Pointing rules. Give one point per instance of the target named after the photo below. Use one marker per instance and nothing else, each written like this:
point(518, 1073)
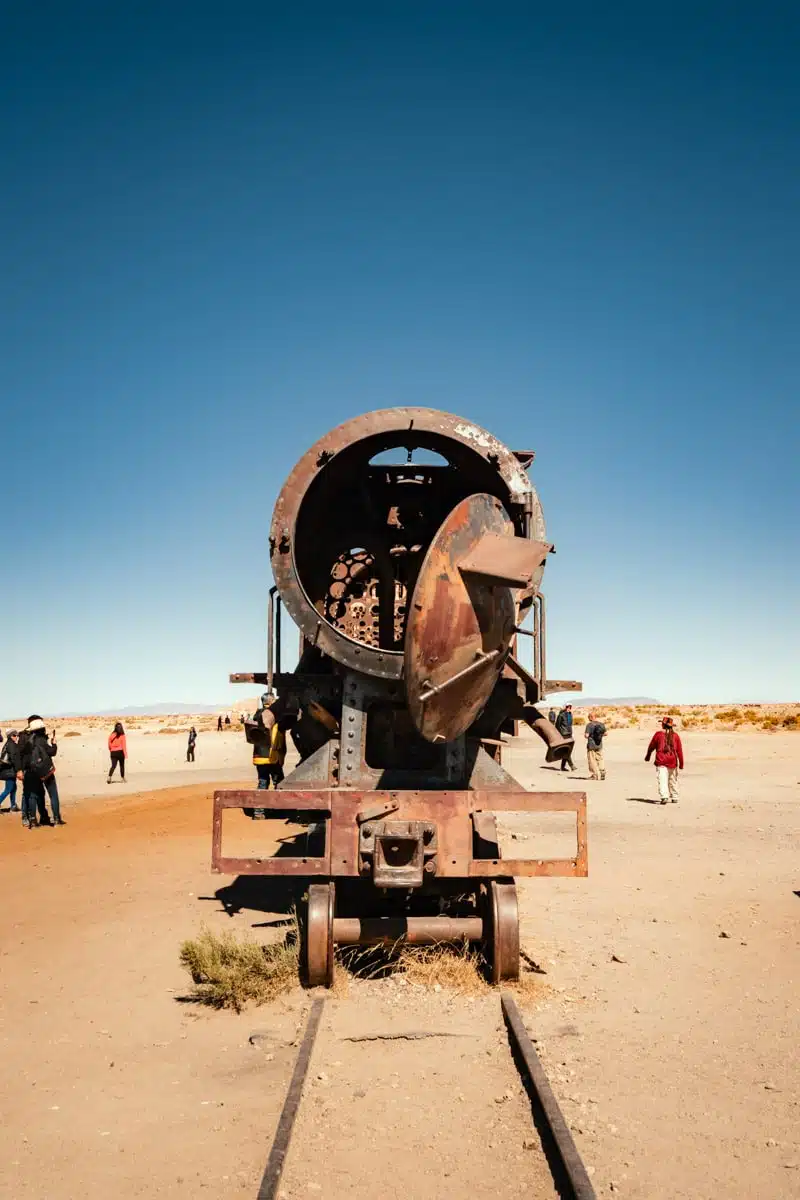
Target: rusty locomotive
point(408, 546)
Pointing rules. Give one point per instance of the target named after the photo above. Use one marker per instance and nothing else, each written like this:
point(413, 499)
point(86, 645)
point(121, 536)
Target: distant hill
point(580, 701)
point(154, 710)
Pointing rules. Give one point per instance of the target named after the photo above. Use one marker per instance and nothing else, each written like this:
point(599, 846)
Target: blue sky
point(228, 227)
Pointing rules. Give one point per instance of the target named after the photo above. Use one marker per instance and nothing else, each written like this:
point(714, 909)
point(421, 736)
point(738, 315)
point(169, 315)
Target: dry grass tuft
point(459, 969)
point(456, 968)
point(231, 972)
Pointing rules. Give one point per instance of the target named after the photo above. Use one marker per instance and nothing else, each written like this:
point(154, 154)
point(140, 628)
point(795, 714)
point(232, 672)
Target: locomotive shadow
point(276, 895)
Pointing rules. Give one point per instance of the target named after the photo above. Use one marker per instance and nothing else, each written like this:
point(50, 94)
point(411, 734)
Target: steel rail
point(578, 1183)
point(569, 1172)
point(283, 1134)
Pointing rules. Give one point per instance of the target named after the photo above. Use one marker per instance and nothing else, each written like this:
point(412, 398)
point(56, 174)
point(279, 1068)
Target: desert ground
point(668, 1014)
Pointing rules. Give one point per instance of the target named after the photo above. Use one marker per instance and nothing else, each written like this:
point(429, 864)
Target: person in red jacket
point(669, 759)
point(118, 750)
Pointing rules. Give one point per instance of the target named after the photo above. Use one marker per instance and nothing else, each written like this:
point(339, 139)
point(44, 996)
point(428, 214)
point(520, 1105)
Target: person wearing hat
point(11, 768)
point(268, 739)
point(564, 727)
point(38, 775)
point(669, 759)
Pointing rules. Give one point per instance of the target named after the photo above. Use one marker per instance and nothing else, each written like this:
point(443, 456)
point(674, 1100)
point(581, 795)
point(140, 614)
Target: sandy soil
point(677, 1067)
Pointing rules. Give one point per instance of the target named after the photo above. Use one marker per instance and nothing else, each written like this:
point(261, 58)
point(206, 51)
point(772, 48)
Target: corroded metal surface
point(348, 535)
point(572, 1181)
point(504, 916)
point(452, 814)
point(414, 931)
point(460, 625)
point(319, 934)
point(408, 546)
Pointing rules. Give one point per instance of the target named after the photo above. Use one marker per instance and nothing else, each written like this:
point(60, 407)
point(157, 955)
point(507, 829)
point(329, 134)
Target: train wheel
point(503, 943)
point(319, 934)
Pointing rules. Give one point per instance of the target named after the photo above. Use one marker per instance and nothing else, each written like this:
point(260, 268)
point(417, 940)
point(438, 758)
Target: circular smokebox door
point(461, 619)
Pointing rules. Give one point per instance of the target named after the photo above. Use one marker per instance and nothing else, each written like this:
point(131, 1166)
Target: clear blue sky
point(228, 227)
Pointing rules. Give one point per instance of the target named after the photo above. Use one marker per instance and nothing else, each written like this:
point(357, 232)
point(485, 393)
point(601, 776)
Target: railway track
point(550, 1166)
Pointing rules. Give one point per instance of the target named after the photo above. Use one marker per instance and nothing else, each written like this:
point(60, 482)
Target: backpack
point(6, 766)
point(40, 760)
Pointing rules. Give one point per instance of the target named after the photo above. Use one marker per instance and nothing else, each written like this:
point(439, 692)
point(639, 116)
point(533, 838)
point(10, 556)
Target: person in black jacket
point(564, 727)
point(38, 774)
point(10, 768)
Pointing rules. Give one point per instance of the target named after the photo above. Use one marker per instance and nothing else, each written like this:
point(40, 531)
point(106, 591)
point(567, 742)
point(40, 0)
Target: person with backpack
point(267, 736)
point(191, 744)
point(564, 726)
point(595, 732)
point(669, 759)
point(38, 776)
point(10, 768)
point(118, 749)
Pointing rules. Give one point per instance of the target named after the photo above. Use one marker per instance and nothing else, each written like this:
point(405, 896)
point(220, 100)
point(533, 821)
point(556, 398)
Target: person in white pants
point(666, 744)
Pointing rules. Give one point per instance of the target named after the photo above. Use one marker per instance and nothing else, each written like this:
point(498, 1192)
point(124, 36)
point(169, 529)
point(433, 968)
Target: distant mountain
point(580, 701)
point(155, 710)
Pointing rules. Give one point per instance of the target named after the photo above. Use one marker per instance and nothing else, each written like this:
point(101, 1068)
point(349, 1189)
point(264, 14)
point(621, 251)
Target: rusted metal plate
point(451, 813)
point(278, 804)
point(529, 868)
point(317, 801)
point(271, 866)
point(506, 561)
point(459, 628)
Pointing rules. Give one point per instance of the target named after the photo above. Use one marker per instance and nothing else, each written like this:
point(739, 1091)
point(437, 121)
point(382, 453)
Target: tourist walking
point(564, 727)
point(191, 744)
point(669, 759)
point(595, 732)
point(118, 749)
point(219, 724)
point(10, 769)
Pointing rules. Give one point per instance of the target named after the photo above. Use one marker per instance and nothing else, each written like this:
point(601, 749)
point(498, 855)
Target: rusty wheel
point(503, 946)
point(319, 934)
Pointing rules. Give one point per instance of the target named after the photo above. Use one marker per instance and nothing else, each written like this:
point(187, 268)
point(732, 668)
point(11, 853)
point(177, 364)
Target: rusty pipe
point(270, 637)
point(558, 747)
point(481, 658)
point(536, 675)
point(413, 931)
point(542, 649)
